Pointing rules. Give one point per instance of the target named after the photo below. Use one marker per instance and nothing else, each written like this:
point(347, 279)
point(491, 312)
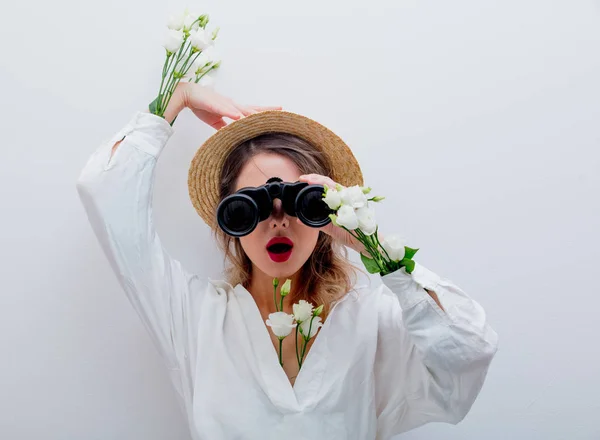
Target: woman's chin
point(280, 270)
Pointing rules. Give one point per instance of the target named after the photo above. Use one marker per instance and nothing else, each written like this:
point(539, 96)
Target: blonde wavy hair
point(327, 274)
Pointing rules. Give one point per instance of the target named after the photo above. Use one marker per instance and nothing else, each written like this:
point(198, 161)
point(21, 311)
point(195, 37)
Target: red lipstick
point(280, 249)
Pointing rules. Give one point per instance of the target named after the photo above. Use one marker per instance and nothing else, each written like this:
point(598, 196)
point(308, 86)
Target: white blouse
point(386, 360)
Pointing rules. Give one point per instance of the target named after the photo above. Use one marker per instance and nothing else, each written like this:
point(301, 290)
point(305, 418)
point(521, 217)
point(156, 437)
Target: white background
point(479, 120)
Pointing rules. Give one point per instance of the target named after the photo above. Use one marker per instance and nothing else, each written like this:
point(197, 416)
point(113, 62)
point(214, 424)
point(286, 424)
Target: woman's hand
point(211, 107)
point(339, 234)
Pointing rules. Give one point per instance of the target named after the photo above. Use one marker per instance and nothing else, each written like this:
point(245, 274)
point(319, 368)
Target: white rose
point(175, 21)
point(354, 197)
point(347, 217)
point(316, 324)
point(333, 199)
point(394, 246)
point(302, 310)
point(200, 39)
point(172, 40)
point(366, 220)
point(281, 324)
point(189, 18)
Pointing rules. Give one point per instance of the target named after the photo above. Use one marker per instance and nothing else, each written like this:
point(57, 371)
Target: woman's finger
point(246, 110)
point(209, 118)
point(224, 108)
point(233, 112)
point(251, 109)
point(265, 108)
point(318, 179)
point(218, 124)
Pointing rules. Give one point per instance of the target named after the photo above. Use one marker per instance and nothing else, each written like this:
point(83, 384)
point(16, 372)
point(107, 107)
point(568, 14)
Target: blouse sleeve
point(116, 193)
point(430, 364)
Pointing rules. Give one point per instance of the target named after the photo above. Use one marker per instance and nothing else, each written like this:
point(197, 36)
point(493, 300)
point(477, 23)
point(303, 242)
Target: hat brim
point(205, 169)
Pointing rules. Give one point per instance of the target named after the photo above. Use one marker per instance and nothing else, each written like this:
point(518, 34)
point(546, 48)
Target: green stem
point(369, 245)
point(170, 86)
point(167, 59)
point(161, 105)
point(204, 73)
point(366, 244)
point(280, 350)
point(297, 354)
point(168, 95)
point(389, 261)
point(302, 351)
point(353, 235)
point(366, 241)
point(282, 303)
point(307, 338)
point(185, 64)
point(162, 80)
point(275, 297)
point(173, 84)
point(376, 252)
point(369, 242)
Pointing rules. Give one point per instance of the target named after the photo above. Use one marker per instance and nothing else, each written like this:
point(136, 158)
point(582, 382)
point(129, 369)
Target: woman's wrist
point(175, 105)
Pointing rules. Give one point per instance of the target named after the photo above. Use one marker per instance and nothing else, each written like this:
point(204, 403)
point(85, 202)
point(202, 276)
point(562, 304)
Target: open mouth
point(280, 249)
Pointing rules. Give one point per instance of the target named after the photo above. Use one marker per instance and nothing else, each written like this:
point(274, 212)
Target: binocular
point(239, 213)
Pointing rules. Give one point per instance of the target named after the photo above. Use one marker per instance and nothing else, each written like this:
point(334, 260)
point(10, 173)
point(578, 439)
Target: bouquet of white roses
point(190, 56)
point(306, 317)
point(355, 215)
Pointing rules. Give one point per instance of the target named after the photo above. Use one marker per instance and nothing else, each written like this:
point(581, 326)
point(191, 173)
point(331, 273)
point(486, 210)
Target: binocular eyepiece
point(239, 213)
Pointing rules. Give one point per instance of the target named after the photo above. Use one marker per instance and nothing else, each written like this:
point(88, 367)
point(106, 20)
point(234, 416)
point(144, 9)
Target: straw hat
point(205, 169)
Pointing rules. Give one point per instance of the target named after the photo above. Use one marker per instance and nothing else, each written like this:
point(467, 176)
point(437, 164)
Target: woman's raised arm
point(116, 189)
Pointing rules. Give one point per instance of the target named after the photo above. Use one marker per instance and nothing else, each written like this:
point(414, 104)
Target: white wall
point(477, 119)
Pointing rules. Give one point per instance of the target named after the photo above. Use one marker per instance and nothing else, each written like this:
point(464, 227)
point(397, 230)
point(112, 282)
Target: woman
point(414, 350)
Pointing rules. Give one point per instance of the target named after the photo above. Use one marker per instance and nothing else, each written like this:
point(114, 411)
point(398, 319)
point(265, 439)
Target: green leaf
point(154, 105)
point(409, 252)
point(370, 264)
point(409, 264)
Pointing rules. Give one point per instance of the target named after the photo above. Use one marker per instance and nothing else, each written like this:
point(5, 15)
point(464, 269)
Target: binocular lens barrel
point(310, 207)
point(239, 216)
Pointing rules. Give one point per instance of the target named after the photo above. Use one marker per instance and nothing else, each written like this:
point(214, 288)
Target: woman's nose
point(278, 216)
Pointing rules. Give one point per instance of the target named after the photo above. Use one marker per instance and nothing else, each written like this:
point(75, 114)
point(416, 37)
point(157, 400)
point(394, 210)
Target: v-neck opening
point(272, 372)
